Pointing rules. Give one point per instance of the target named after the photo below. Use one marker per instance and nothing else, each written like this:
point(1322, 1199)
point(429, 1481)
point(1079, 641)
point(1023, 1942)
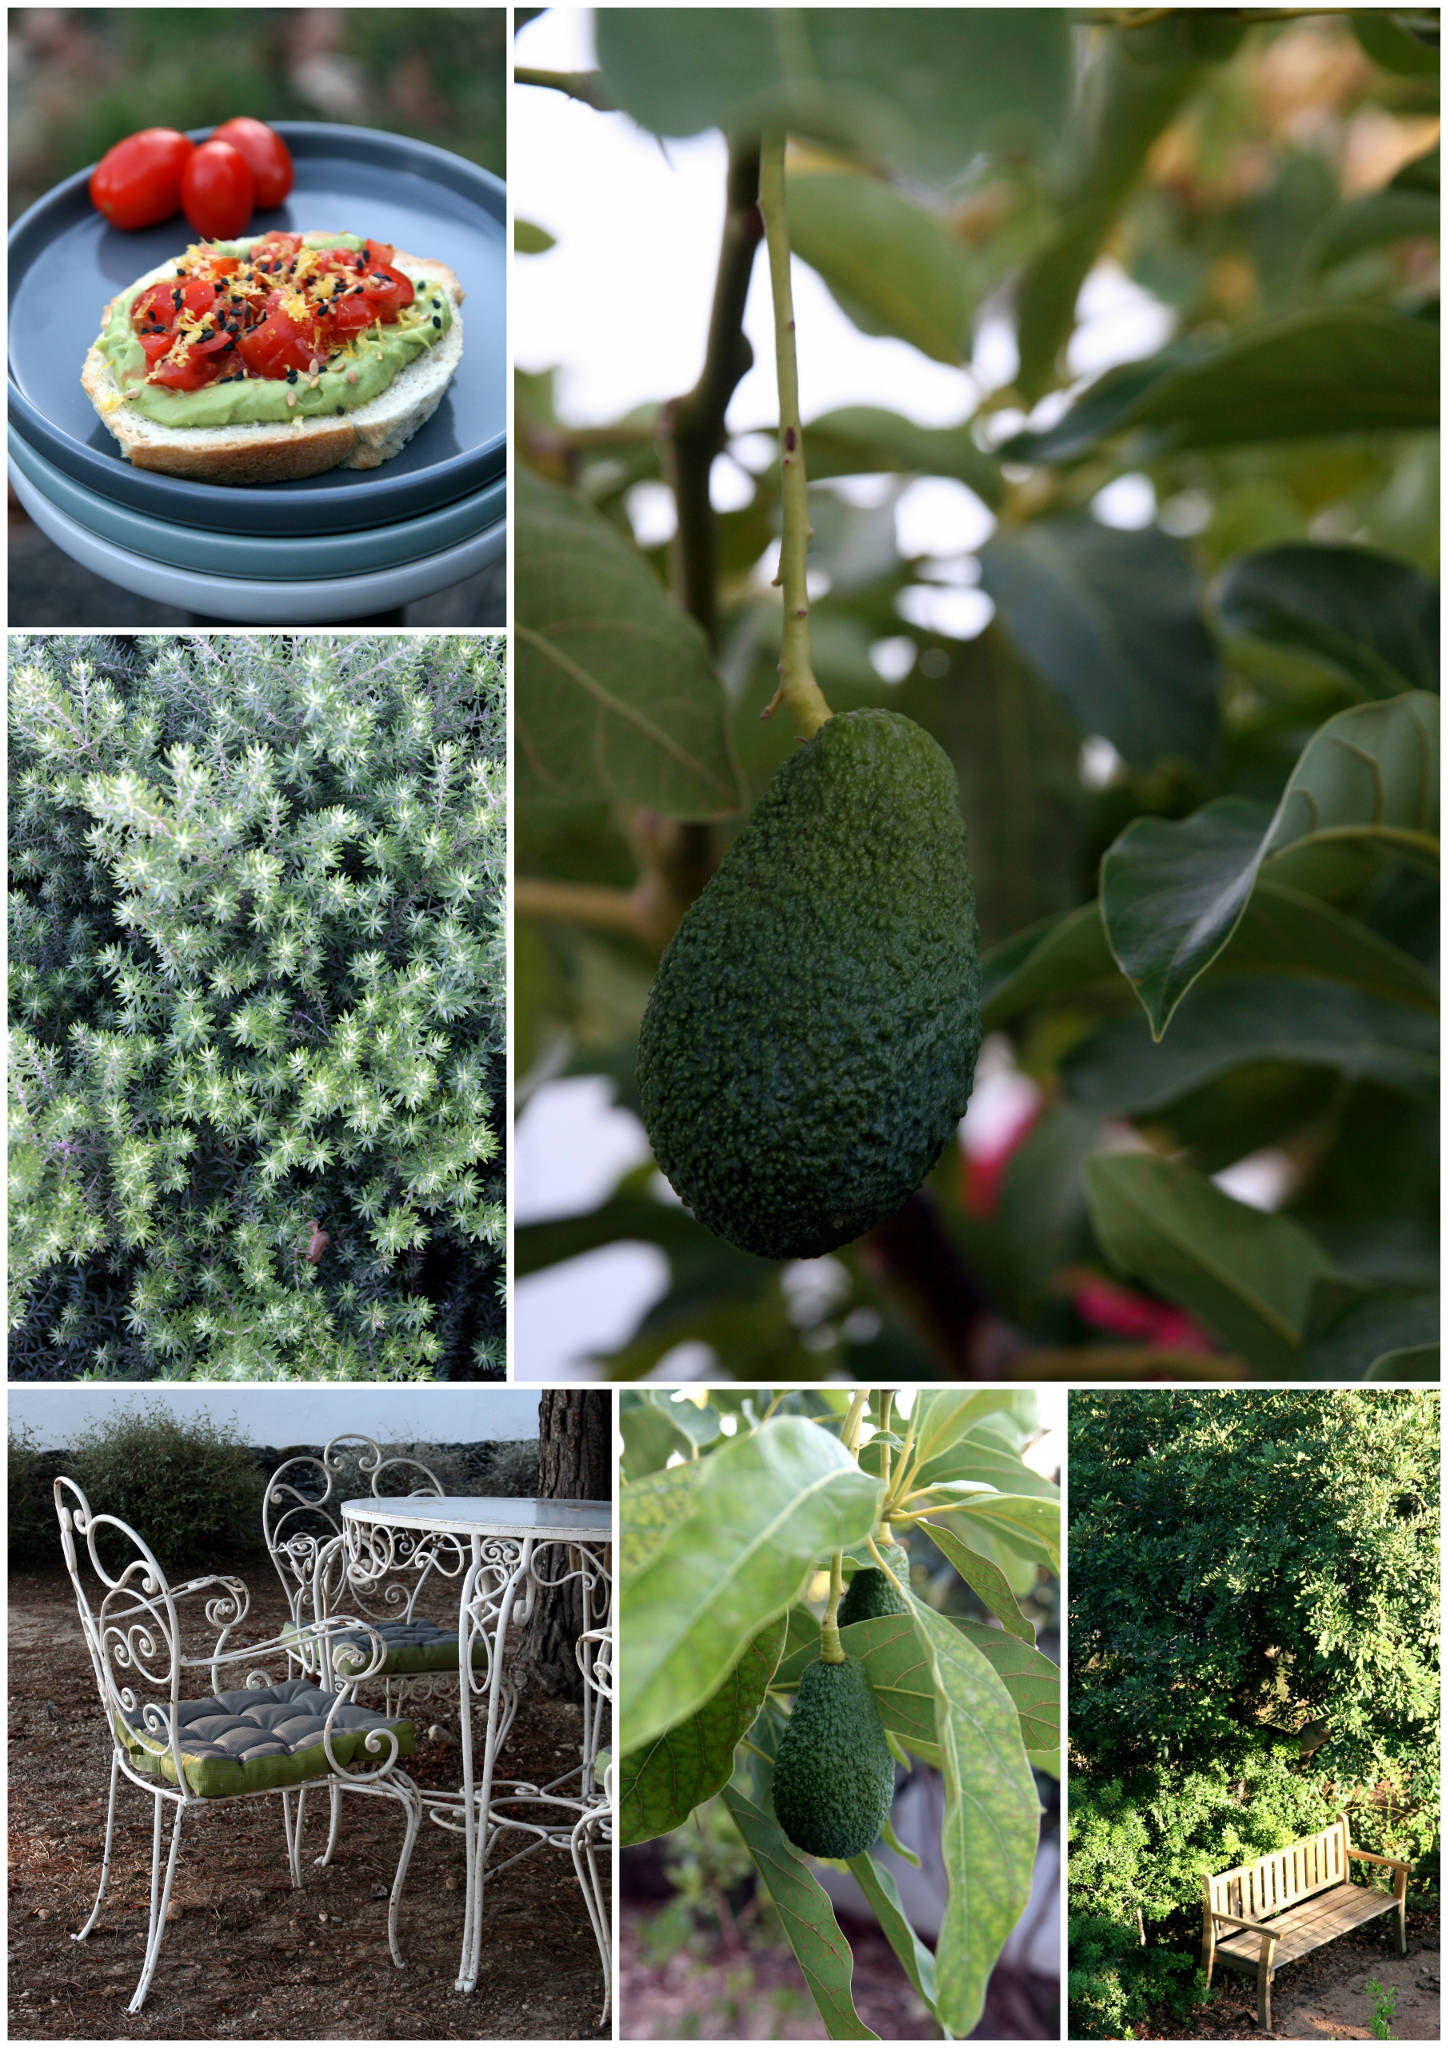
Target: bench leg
point(1209, 1957)
point(1402, 1927)
point(1264, 1998)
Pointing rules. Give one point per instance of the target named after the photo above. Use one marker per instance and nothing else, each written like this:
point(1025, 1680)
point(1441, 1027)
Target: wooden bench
point(1285, 1905)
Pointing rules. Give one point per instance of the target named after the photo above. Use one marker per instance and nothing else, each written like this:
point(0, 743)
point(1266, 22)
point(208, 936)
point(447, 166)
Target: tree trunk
point(575, 1462)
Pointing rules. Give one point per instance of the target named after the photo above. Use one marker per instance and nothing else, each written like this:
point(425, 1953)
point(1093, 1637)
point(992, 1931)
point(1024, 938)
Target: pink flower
point(1105, 1306)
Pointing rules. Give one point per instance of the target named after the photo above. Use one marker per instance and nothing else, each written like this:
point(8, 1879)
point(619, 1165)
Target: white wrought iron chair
point(249, 1742)
point(593, 1830)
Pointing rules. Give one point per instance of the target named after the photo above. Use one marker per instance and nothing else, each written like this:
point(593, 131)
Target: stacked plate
point(322, 548)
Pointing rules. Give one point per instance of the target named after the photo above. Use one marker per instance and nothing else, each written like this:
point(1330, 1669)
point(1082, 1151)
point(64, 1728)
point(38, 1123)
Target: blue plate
point(66, 264)
point(289, 559)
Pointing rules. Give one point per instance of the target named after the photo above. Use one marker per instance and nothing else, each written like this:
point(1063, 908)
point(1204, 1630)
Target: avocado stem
point(798, 690)
point(830, 1648)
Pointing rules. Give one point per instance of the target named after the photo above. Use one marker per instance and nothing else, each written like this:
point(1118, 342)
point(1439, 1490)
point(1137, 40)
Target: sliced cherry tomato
point(279, 343)
point(379, 255)
point(138, 181)
point(389, 291)
point(217, 190)
point(265, 152)
point(188, 376)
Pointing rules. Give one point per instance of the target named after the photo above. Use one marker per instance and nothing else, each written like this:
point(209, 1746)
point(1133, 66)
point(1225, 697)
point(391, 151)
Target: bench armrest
point(1388, 1862)
point(1252, 1926)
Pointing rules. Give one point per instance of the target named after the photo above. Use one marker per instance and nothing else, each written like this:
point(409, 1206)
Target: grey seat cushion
point(260, 1741)
point(412, 1647)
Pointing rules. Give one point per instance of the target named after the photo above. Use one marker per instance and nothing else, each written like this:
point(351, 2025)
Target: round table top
point(566, 1521)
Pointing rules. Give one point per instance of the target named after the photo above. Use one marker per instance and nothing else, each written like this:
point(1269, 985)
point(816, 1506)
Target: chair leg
point(1402, 1927)
point(105, 1853)
point(334, 1822)
point(585, 1864)
point(412, 1806)
point(159, 1905)
point(292, 1830)
point(1264, 1998)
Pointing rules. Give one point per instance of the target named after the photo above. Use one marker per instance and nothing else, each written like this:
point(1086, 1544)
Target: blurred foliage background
point(81, 78)
point(1272, 184)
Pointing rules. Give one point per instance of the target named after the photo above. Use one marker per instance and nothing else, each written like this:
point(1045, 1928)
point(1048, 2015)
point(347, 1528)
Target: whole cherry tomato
point(217, 189)
point(264, 150)
point(138, 181)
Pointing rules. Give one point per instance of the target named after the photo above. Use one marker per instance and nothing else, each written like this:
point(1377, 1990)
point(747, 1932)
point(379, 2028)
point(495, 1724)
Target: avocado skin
point(834, 1777)
point(870, 1593)
point(810, 1039)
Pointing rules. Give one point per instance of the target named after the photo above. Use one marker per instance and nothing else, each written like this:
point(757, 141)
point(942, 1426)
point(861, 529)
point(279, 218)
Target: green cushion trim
point(261, 1741)
point(413, 1647)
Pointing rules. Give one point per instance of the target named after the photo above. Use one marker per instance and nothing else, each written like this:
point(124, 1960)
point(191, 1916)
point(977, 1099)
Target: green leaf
point(1331, 370)
point(944, 1415)
point(985, 1579)
point(650, 1434)
point(865, 440)
point(648, 1509)
point(806, 1915)
point(982, 1454)
point(1030, 1525)
point(531, 240)
point(1172, 894)
point(1417, 1362)
point(660, 1785)
point(1247, 1275)
point(899, 1676)
point(911, 1953)
point(766, 1506)
point(615, 695)
point(891, 264)
point(1353, 1324)
point(1362, 618)
point(1033, 1682)
point(1385, 35)
point(1112, 621)
point(1397, 213)
point(1120, 1070)
point(924, 89)
point(988, 1838)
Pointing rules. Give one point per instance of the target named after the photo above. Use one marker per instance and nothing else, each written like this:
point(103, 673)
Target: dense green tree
point(257, 963)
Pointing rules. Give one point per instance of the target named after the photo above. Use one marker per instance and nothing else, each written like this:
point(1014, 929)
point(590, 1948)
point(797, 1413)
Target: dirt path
point(249, 1958)
point(1324, 1997)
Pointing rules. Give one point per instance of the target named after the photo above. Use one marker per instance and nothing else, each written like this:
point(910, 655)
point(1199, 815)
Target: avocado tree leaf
point(943, 1415)
point(660, 1785)
point(1386, 34)
point(982, 1454)
point(1029, 1525)
point(649, 1508)
point(650, 1434)
point(806, 1915)
point(616, 698)
point(1363, 618)
point(866, 440)
point(992, 1817)
point(1247, 1275)
point(911, 1953)
point(1233, 1021)
point(891, 264)
point(984, 1577)
point(1329, 370)
point(1394, 214)
point(899, 1676)
point(923, 89)
point(1354, 1322)
point(1173, 893)
point(766, 1506)
point(1112, 621)
point(1032, 1681)
point(1414, 1362)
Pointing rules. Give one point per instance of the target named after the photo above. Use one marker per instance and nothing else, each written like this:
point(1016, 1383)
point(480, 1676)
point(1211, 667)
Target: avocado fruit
point(834, 1777)
point(810, 1038)
point(871, 1592)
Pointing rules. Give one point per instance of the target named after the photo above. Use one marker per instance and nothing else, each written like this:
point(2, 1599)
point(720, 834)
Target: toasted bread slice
point(266, 452)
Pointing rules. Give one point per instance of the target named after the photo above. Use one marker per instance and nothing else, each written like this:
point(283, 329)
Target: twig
point(798, 690)
point(695, 423)
point(587, 903)
point(587, 86)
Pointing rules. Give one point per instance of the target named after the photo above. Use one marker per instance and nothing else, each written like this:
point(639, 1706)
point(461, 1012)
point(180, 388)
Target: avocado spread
point(359, 372)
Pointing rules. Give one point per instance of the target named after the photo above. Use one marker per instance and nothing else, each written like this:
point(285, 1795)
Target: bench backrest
point(1255, 1891)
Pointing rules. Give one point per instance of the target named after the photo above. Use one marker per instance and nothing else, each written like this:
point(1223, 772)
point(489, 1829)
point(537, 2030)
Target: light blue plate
point(287, 558)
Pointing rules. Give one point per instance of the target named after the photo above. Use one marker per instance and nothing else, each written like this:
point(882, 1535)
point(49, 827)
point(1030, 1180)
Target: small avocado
point(871, 1592)
point(810, 1039)
point(834, 1777)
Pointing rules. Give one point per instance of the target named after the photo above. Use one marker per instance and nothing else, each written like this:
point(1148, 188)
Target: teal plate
point(287, 558)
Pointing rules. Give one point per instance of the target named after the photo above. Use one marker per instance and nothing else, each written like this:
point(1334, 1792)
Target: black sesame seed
point(436, 321)
point(341, 408)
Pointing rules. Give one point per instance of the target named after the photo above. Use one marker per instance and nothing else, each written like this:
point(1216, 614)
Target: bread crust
point(267, 452)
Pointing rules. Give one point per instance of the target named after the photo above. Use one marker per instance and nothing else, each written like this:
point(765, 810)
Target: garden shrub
point(34, 1537)
point(192, 1490)
point(257, 958)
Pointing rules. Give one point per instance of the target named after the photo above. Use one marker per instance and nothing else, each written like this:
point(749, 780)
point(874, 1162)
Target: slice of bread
point(274, 452)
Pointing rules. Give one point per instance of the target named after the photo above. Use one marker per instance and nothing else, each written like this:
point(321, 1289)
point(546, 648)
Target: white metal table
point(505, 1553)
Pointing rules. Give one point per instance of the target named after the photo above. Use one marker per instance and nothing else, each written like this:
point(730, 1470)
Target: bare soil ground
point(247, 1957)
point(1324, 1997)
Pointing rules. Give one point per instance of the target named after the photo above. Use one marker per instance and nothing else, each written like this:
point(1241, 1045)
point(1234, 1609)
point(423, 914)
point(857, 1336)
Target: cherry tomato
point(217, 189)
point(188, 376)
point(267, 154)
point(280, 343)
point(138, 181)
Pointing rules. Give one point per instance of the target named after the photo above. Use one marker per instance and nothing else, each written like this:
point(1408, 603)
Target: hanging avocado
point(872, 1591)
point(834, 1777)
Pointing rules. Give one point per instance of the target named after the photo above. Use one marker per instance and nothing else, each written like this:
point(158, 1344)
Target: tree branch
point(587, 86)
point(694, 424)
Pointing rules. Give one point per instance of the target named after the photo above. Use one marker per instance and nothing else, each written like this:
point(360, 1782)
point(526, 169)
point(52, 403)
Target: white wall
point(292, 1415)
